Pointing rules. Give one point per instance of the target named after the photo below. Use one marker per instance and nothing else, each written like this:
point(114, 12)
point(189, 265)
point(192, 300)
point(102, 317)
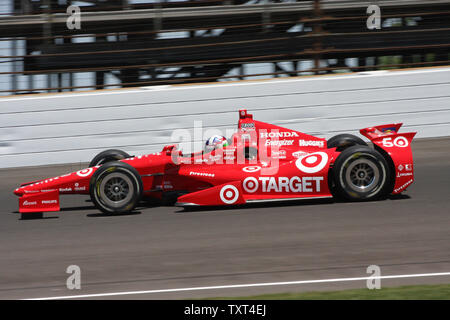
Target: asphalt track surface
point(167, 247)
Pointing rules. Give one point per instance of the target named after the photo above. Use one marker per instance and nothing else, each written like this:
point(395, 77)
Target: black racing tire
point(361, 173)
point(108, 156)
point(343, 141)
point(116, 187)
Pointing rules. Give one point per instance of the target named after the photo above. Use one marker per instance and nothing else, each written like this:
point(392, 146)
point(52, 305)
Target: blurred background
point(129, 43)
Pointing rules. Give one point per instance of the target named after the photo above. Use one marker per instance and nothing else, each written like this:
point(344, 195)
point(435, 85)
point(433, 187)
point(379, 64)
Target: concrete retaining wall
point(73, 127)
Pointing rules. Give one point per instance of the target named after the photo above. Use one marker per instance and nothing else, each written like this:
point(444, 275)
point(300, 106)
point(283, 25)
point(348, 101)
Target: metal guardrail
point(212, 11)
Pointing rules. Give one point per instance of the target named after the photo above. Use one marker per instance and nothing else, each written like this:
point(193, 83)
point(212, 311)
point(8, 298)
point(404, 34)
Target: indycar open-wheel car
point(260, 162)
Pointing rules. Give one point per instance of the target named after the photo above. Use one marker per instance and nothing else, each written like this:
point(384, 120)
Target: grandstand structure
point(158, 42)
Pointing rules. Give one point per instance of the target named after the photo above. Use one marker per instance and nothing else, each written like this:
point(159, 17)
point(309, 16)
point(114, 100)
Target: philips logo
point(48, 201)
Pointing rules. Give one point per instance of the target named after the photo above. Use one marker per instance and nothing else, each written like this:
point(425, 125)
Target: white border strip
point(266, 284)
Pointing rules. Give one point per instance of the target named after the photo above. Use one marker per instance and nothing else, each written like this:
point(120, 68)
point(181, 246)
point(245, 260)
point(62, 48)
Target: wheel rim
point(116, 189)
point(362, 175)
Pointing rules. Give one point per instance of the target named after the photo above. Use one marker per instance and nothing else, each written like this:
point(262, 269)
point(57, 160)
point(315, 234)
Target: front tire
point(109, 155)
point(361, 173)
point(116, 187)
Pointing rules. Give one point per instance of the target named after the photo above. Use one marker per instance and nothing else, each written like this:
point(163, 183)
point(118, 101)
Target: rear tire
point(344, 141)
point(361, 173)
point(116, 187)
point(108, 156)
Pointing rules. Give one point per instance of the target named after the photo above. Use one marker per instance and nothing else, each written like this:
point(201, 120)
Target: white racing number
point(229, 194)
point(399, 141)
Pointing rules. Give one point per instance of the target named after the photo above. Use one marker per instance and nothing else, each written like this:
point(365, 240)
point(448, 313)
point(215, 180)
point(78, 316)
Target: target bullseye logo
point(85, 172)
point(401, 142)
point(229, 194)
point(251, 169)
point(250, 184)
point(312, 163)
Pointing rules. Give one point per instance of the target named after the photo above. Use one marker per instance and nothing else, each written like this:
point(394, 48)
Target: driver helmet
point(215, 142)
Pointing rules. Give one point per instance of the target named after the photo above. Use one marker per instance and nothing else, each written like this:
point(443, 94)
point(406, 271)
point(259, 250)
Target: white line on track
point(264, 284)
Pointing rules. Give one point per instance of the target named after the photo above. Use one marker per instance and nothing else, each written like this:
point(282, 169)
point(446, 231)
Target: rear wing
point(396, 147)
point(387, 137)
point(383, 130)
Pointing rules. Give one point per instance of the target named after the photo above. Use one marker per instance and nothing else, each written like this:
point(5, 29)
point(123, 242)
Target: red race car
point(260, 162)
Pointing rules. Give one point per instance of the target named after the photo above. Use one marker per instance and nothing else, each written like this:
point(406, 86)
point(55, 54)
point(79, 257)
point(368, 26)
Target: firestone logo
point(404, 186)
point(201, 174)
